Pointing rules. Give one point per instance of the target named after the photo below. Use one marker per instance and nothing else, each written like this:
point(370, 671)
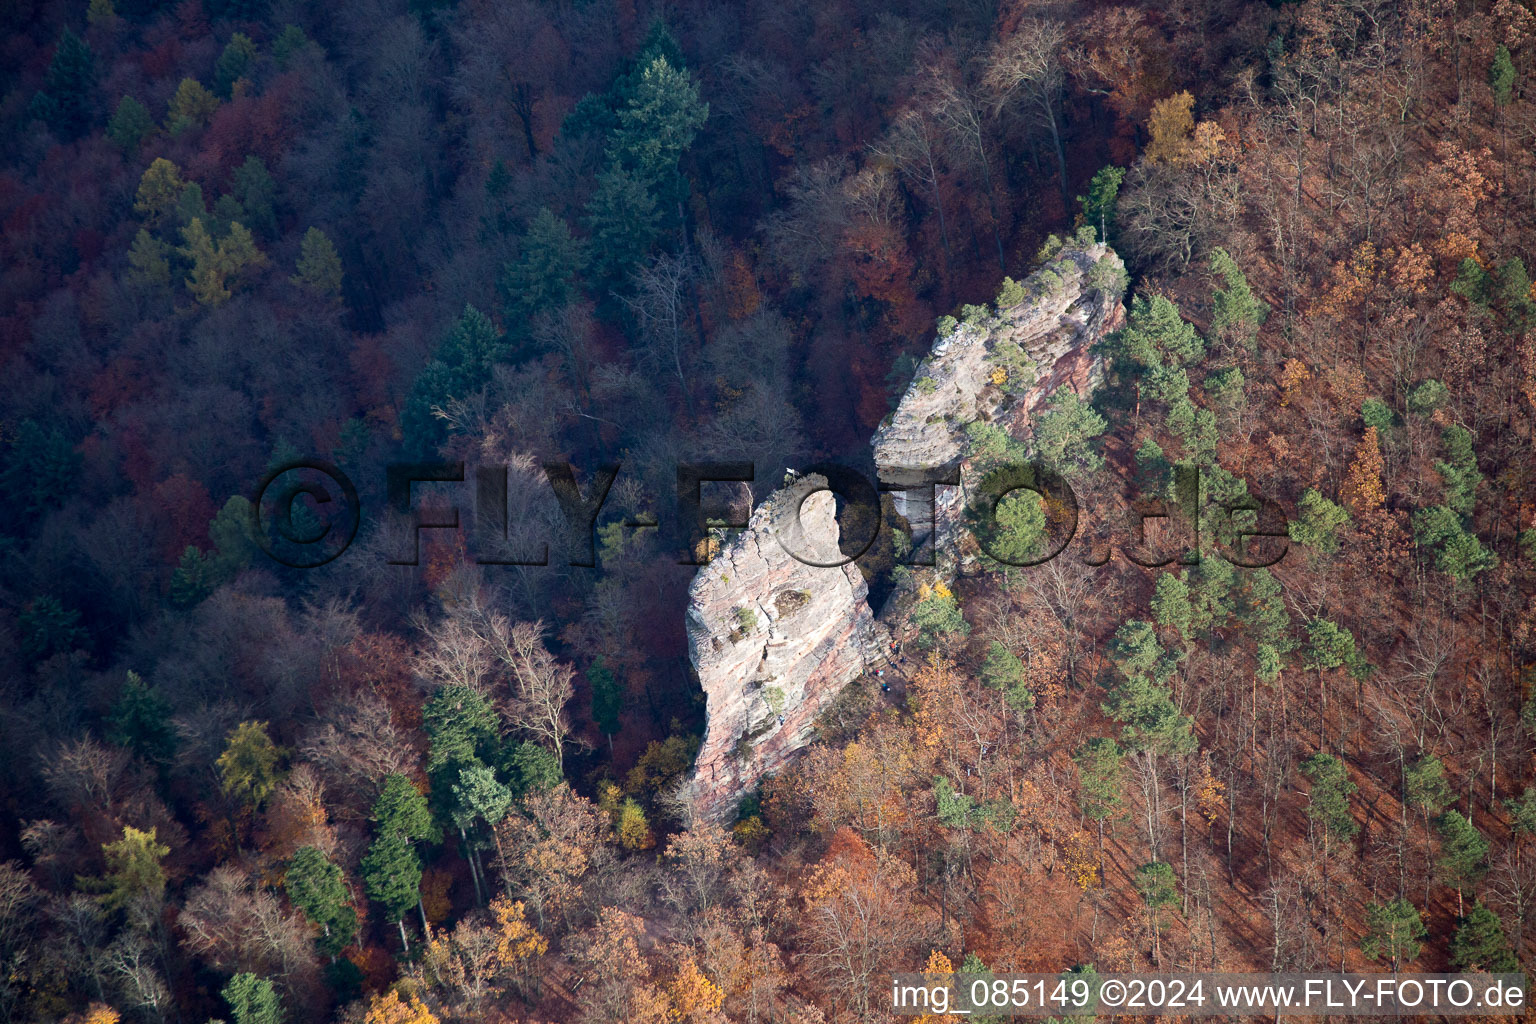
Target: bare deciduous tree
point(1027, 67)
point(358, 745)
point(541, 685)
point(912, 145)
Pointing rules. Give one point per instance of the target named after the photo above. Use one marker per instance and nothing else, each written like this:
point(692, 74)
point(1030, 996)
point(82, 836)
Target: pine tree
point(1018, 529)
point(318, 888)
point(1458, 553)
point(239, 53)
point(214, 265)
point(544, 275)
point(400, 816)
point(1003, 671)
point(1428, 791)
point(290, 42)
point(1328, 803)
point(937, 616)
point(1522, 813)
point(478, 792)
point(1099, 783)
point(1501, 76)
point(207, 280)
point(191, 205)
point(252, 1000)
point(68, 95)
point(656, 125)
point(41, 470)
point(607, 699)
point(129, 124)
point(1159, 890)
point(319, 268)
point(191, 107)
point(1171, 606)
point(1140, 700)
point(478, 798)
point(48, 628)
point(1329, 645)
point(135, 880)
point(1392, 930)
point(401, 810)
point(1480, 943)
point(473, 346)
point(248, 767)
point(461, 724)
point(1427, 396)
point(141, 721)
point(1463, 853)
point(1317, 522)
point(392, 874)
point(159, 190)
point(253, 186)
point(1100, 202)
point(148, 266)
point(193, 579)
point(1155, 334)
point(230, 532)
point(623, 222)
point(1459, 470)
point(1065, 434)
point(1236, 313)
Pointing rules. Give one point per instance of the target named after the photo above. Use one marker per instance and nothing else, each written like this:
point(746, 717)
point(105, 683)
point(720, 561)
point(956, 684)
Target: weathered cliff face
point(773, 640)
point(979, 372)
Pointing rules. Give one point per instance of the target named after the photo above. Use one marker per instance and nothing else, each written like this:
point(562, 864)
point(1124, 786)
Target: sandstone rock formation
point(1067, 306)
point(773, 640)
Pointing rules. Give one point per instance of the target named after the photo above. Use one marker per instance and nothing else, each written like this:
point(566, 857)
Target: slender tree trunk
point(474, 874)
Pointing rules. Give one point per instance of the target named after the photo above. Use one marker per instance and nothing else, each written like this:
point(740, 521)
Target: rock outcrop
point(773, 639)
point(974, 373)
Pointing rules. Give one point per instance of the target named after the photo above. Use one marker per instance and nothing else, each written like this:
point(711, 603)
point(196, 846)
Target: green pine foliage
point(319, 268)
point(67, 101)
point(546, 274)
point(1099, 773)
point(1501, 76)
point(1328, 803)
point(1317, 522)
point(1103, 196)
point(318, 887)
point(1481, 945)
point(1236, 313)
point(141, 721)
point(1066, 434)
point(129, 125)
point(1463, 857)
point(1394, 931)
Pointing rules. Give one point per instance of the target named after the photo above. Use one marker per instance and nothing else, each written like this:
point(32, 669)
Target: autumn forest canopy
point(521, 234)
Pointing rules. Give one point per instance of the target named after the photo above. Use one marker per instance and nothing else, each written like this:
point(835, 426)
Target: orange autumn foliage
point(1363, 491)
point(391, 1009)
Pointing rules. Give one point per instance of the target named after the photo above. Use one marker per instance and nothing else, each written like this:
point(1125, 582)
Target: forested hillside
point(241, 234)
